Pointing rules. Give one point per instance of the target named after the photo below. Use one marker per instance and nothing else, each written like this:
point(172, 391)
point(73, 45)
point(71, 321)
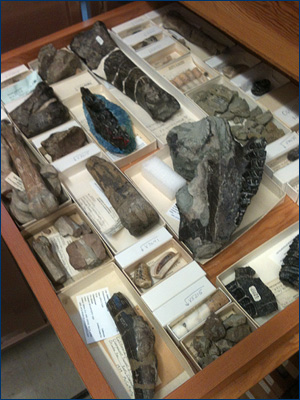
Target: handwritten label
point(99, 40)
point(174, 212)
point(152, 243)
point(289, 113)
point(193, 296)
point(21, 88)
point(254, 293)
point(284, 294)
point(96, 320)
point(15, 181)
point(82, 156)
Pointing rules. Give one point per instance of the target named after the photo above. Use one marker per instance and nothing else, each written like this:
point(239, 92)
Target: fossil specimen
point(55, 65)
point(108, 122)
point(232, 70)
point(62, 143)
point(87, 252)
point(6, 168)
point(261, 87)
point(251, 293)
point(174, 20)
point(289, 273)
point(50, 260)
point(66, 226)
point(142, 277)
point(293, 154)
point(162, 266)
point(41, 202)
point(99, 51)
point(42, 111)
point(135, 213)
point(223, 175)
point(139, 341)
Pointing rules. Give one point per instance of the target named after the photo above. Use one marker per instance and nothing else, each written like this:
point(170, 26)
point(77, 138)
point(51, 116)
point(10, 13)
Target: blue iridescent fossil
point(109, 123)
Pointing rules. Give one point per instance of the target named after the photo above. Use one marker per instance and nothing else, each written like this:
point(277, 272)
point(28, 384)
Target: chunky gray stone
point(205, 361)
point(213, 328)
point(238, 333)
point(201, 344)
point(223, 345)
point(234, 320)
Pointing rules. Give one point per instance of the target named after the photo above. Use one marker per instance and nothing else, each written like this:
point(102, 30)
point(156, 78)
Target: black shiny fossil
point(289, 273)
point(139, 342)
point(98, 50)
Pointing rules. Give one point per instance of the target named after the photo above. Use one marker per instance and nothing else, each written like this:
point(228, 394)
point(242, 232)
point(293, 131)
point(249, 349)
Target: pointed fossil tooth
point(162, 266)
point(142, 277)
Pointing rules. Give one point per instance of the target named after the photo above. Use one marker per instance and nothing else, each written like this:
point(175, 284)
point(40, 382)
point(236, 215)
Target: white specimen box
point(292, 189)
point(196, 21)
point(92, 200)
point(133, 26)
point(150, 250)
point(282, 146)
point(286, 174)
point(187, 343)
point(260, 71)
point(135, 40)
point(188, 312)
point(283, 102)
point(266, 261)
point(188, 63)
point(46, 227)
point(234, 57)
point(36, 142)
point(145, 141)
point(109, 354)
point(268, 196)
point(275, 165)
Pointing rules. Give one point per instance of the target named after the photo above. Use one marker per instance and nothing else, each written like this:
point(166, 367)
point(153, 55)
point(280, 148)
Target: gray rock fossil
point(96, 47)
point(135, 213)
point(223, 176)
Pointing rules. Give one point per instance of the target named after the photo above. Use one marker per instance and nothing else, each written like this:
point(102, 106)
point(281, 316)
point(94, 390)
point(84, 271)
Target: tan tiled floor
point(39, 368)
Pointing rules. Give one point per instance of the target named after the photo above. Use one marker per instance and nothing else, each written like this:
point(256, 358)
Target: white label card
point(289, 113)
point(95, 317)
point(254, 293)
point(15, 181)
point(21, 88)
point(284, 294)
point(174, 212)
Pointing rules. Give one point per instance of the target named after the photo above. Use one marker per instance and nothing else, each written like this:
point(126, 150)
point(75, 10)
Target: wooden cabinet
point(247, 362)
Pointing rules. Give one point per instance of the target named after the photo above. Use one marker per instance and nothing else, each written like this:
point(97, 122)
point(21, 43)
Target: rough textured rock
point(95, 46)
point(19, 207)
point(201, 343)
point(237, 333)
point(293, 155)
point(59, 144)
point(109, 123)
point(138, 340)
point(142, 277)
point(41, 112)
point(252, 294)
point(87, 252)
point(234, 320)
point(174, 20)
point(224, 345)
point(50, 175)
point(55, 65)
point(206, 360)
point(50, 261)
point(135, 213)
point(261, 87)
point(224, 177)
point(289, 273)
point(66, 226)
point(213, 328)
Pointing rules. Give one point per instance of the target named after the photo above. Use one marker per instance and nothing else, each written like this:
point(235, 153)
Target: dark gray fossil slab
point(139, 341)
point(41, 112)
point(95, 47)
point(55, 65)
point(289, 273)
point(223, 175)
point(135, 213)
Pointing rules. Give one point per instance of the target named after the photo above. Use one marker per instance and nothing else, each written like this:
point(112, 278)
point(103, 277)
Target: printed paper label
point(174, 212)
point(280, 252)
point(289, 113)
point(21, 88)
point(284, 294)
point(118, 353)
point(15, 181)
point(95, 317)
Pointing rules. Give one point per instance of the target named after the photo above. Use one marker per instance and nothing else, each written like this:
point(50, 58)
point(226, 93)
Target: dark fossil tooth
point(261, 87)
point(224, 177)
point(109, 123)
point(139, 341)
point(289, 273)
point(95, 47)
point(41, 112)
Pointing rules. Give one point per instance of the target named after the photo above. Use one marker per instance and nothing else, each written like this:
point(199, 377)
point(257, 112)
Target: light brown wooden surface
point(230, 375)
point(269, 28)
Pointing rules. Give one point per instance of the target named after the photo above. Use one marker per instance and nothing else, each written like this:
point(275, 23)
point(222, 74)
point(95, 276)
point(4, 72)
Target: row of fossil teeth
point(143, 274)
point(187, 79)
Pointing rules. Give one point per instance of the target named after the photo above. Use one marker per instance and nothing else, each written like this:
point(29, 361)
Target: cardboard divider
point(292, 190)
point(46, 227)
point(224, 313)
point(266, 261)
point(286, 174)
point(163, 53)
point(277, 164)
point(173, 368)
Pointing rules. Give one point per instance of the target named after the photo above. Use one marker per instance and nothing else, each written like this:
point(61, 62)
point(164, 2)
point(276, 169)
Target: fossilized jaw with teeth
point(164, 264)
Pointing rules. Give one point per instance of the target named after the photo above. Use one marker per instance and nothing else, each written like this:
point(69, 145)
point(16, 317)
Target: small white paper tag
point(254, 293)
point(15, 181)
point(95, 317)
point(21, 88)
point(99, 40)
point(174, 212)
point(289, 113)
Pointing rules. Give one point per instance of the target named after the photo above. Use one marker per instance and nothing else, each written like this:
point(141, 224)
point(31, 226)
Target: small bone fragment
point(66, 226)
point(87, 252)
point(142, 276)
point(50, 260)
point(41, 201)
point(163, 265)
